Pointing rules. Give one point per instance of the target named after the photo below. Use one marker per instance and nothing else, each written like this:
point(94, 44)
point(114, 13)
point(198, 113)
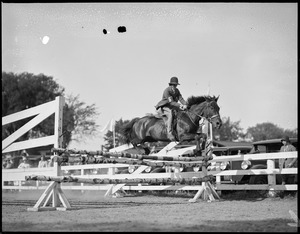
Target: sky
point(245, 53)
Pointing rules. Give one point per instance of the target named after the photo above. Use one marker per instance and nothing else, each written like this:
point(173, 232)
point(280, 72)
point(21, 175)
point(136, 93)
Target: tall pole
point(114, 136)
point(211, 132)
point(114, 132)
point(58, 122)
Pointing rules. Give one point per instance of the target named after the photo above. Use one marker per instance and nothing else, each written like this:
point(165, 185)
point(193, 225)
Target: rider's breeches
point(168, 112)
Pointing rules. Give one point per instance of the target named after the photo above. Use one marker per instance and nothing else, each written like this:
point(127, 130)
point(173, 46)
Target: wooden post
point(58, 122)
point(57, 170)
point(54, 190)
point(20, 185)
point(81, 184)
point(218, 178)
point(111, 171)
point(207, 191)
point(58, 125)
point(271, 177)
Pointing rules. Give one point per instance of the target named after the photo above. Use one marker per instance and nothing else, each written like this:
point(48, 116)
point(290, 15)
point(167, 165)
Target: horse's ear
point(217, 98)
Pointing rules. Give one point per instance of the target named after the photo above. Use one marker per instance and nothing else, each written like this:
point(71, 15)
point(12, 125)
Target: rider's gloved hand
point(183, 107)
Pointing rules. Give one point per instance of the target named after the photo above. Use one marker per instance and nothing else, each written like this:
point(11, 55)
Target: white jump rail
point(18, 176)
point(271, 171)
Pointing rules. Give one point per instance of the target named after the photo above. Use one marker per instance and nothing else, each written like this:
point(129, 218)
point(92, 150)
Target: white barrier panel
point(19, 174)
point(42, 112)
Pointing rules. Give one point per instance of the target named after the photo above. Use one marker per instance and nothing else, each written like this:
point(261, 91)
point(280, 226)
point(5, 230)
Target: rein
point(205, 118)
point(188, 111)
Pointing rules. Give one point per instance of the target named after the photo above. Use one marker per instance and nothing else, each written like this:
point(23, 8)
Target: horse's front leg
point(200, 143)
point(192, 136)
point(144, 148)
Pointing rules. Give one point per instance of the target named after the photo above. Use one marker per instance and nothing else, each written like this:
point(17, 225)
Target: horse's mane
point(199, 99)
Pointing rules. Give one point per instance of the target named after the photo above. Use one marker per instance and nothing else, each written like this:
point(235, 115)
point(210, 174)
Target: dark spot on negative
point(121, 29)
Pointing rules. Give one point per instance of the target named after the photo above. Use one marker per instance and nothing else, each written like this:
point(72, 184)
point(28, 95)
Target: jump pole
point(69, 155)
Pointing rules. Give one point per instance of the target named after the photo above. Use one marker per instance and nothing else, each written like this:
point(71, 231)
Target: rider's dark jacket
point(170, 98)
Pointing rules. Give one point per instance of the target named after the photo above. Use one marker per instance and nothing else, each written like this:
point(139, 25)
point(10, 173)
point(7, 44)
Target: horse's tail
point(127, 130)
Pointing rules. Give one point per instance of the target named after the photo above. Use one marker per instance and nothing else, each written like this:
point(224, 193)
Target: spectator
point(24, 153)
point(4, 163)
point(43, 162)
point(24, 163)
point(10, 163)
point(50, 161)
point(254, 150)
point(286, 162)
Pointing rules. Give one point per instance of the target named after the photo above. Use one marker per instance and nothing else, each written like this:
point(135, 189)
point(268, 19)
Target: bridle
point(209, 119)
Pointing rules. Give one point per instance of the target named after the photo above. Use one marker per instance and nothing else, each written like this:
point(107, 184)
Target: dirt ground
point(93, 212)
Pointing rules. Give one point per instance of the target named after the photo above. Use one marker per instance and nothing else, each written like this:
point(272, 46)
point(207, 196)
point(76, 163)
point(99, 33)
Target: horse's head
point(211, 112)
point(206, 107)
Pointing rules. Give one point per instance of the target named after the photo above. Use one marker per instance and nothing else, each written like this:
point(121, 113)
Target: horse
point(152, 128)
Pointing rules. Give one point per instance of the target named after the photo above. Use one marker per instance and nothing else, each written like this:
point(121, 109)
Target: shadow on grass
point(244, 195)
point(265, 225)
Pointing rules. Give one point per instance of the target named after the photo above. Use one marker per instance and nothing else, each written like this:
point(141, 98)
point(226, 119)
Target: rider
point(169, 102)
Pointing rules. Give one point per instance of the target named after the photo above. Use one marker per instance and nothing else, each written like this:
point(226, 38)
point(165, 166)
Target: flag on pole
point(208, 89)
point(109, 126)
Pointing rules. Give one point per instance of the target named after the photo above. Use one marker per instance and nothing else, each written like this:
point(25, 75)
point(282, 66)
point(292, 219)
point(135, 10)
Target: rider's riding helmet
point(174, 80)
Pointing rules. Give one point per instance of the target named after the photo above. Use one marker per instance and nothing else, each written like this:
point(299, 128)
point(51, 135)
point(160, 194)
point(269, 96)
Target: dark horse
point(152, 128)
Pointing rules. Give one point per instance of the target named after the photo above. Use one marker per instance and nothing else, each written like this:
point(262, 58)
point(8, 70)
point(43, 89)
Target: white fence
point(40, 112)
point(11, 177)
point(270, 171)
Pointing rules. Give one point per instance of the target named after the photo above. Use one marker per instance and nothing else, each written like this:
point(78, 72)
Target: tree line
point(26, 90)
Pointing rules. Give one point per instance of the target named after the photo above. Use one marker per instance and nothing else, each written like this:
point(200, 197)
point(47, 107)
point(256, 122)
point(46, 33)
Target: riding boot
point(169, 130)
point(171, 137)
point(168, 113)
